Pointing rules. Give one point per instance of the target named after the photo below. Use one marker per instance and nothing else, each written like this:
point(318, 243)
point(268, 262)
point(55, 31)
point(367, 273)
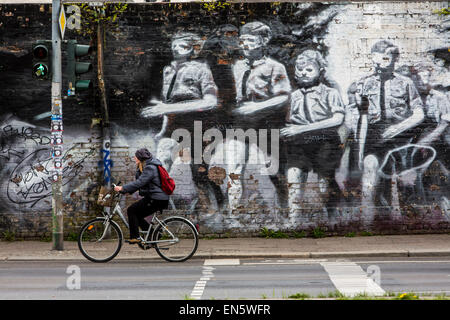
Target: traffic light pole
point(57, 142)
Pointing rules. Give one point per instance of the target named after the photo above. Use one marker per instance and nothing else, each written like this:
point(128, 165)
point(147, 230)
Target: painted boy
point(316, 111)
point(262, 91)
point(188, 94)
point(391, 111)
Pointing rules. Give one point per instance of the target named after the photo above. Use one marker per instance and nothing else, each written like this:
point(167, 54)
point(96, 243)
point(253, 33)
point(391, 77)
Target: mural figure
point(188, 87)
point(188, 84)
point(262, 90)
point(390, 108)
point(316, 112)
point(436, 133)
point(437, 106)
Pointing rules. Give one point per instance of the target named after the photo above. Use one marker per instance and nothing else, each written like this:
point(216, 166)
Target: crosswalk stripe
point(222, 262)
point(350, 279)
point(199, 287)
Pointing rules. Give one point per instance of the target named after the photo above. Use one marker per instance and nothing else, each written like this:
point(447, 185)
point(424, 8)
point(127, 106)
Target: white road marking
point(200, 285)
point(313, 261)
point(350, 279)
point(283, 262)
point(222, 262)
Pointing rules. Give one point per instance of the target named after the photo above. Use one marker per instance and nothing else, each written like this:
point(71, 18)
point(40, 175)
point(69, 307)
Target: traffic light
point(42, 68)
point(76, 68)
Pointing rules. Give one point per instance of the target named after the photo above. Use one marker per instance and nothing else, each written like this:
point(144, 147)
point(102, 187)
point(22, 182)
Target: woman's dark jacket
point(148, 182)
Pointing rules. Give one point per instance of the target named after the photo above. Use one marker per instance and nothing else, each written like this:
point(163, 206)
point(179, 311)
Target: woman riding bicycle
point(148, 182)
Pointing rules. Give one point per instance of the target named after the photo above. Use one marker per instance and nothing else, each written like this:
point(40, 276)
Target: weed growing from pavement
point(350, 235)
point(406, 296)
point(72, 236)
point(301, 234)
point(299, 296)
point(318, 233)
point(365, 296)
point(268, 233)
point(9, 236)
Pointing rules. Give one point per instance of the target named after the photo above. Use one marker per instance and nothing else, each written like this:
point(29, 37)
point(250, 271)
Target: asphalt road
point(221, 279)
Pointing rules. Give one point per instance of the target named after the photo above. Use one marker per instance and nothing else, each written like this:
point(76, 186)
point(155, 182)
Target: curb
point(299, 255)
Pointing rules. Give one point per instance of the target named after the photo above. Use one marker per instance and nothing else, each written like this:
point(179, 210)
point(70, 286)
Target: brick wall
point(236, 192)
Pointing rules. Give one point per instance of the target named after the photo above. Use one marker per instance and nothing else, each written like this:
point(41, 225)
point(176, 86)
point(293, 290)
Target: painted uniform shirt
point(193, 80)
point(400, 98)
point(314, 104)
point(267, 78)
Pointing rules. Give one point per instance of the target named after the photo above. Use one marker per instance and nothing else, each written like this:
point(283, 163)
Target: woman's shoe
point(133, 241)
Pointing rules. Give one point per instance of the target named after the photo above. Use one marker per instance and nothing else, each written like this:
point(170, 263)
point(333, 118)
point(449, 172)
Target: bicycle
point(174, 238)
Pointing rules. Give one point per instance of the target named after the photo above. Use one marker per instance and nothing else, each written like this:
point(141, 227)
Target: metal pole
point(56, 120)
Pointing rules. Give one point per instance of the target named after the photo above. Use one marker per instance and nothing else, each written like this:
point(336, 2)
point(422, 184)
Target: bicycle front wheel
point(177, 239)
point(99, 240)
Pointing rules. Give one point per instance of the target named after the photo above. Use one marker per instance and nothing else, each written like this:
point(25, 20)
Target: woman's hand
point(118, 188)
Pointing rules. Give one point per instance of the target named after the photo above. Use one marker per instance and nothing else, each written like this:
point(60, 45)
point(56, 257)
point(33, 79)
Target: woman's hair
point(140, 166)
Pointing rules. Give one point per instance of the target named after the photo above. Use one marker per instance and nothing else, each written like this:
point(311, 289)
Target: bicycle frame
point(117, 209)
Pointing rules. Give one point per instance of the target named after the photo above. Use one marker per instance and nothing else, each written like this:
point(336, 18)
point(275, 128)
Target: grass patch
point(298, 235)
point(350, 235)
point(268, 233)
point(407, 296)
point(299, 296)
point(318, 233)
point(72, 236)
point(45, 238)
point(364, 296)
point(335, 294)
point(9, 236)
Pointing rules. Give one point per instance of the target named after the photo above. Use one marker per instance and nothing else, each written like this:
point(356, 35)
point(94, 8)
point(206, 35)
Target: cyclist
point(148, 182)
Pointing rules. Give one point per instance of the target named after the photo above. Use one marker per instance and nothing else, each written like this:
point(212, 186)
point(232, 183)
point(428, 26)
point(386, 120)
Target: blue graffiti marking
point(107, 165)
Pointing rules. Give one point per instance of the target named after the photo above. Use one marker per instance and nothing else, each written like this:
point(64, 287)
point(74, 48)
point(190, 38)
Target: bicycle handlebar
point(118, 184)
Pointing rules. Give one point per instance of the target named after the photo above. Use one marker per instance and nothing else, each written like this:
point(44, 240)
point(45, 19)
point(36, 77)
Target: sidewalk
point(431, 245)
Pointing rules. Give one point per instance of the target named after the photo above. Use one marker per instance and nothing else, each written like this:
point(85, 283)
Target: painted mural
point(279, 115)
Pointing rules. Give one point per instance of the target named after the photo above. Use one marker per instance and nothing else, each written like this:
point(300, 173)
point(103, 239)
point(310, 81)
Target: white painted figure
point(390, 108)
point(316, 112)
point(262, 91)
point(188, 88)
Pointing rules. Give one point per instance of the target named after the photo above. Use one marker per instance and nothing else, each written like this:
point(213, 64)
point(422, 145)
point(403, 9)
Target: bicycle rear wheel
point(179, 239)
point(99, 241)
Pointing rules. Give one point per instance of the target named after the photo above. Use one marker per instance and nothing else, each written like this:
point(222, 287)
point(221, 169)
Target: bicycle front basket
point(105, 197)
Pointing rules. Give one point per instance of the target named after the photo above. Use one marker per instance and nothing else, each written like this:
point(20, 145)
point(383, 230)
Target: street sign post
point(56, 121)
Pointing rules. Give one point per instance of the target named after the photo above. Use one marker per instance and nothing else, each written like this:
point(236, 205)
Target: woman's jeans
point(141, 209)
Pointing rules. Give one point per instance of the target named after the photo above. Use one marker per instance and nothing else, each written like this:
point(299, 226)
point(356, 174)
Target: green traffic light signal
point(75, 68)
point(40, 71)
point(41, 68)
